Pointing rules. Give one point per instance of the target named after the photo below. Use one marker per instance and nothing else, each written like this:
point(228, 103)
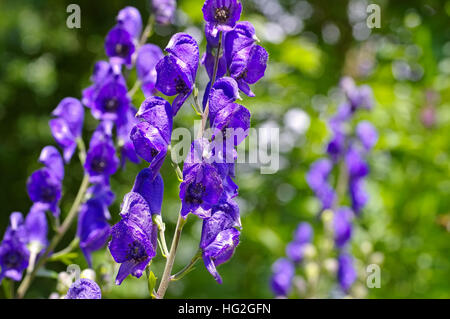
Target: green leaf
point(46, 273)
point(151, 282)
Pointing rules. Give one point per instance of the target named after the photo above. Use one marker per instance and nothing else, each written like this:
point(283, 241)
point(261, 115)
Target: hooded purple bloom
point(359, 97)
point(124, 128)
point(224, 91)
point(93, 227)
point(209, 61)
point(103, 72)
point(101, 159)
point(302, 236)
point(67, 126)
point(346, 271)
point(242, 36)
point(84, 289)
point(14, 254)
point(176, 72)
point(342, 226)
point(232, 121)
point(134, 238)
point(164, 10)
point(358, 194)
point(201, 189)
point(151, 188)
point(36, 227)
point(129, 19)
point(356, 165)
point(220, 237)
point(367, 134)
point(223, 14)
point(248, 66)
point(336, 146)
point(152, 136)
point(119, 46)
point(147, 58)
point(318, 173)
point(44, 185)
point(111, 100)
point(283, 272)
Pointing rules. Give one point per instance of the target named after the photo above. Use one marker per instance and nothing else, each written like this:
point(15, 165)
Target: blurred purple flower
point(283, 272)
point(84, 289)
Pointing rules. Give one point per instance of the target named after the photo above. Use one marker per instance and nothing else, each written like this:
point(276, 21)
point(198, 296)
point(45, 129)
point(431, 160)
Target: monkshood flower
point(224, 91)
point(220, 236)
point(208, 60)
point(102, 72)
point(342, 226)
point(111, 101)
point(176, 72)
point(147, 58)
point(356, 166)
point(359, 97)
point(283, 272)
point(93, 227)
point(164, 10)
point(302, 236)
point(242, 36)
point(346, 271)
point(84, 289)
point(124, 127)
point(36, 228)
point(119, 46)
point(367, 134)
point(67, 125)
point(134, 238)
point(101, 160)
point(44, 185)
point(223, 14)
point(202, 187)
point(152, 136)
point(14, 254)
point(358, 194)
point(232, 121)
point(248, 67)
point(317, 178)
point(130, 19)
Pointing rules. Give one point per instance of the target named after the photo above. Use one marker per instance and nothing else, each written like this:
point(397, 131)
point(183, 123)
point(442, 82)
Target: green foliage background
point(407, 221)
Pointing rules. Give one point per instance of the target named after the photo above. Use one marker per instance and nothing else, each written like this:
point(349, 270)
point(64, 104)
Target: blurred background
point(404, 228)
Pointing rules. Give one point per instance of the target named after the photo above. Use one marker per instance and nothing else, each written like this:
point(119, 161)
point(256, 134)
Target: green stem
point(165, 280)
point(73, 245)
point(188, 268)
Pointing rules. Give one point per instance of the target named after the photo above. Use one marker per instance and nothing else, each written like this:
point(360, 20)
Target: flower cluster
point(347, 151)
point(283, 270)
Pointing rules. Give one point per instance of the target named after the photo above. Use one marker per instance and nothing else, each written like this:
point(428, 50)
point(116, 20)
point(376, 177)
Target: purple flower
point(36, 227)
point(356, 165)
point(346, 271)
point(248, 66)
point(318, 173)
point(147, 58)
point(102, 73)
point(242, 36)
point(124, 128)
point(111, 101)
point(176, 72)
point(67, 126)
point(44, 186)
point(302, 236)
point(220, 237)
point(134, 238)
point(209, 61)
point(152, 136)
point(367, 134)
point(164, 10)
point(283, 272)
point(224, 91)
point(223, 14)
point(358, 194)
point(359, 97)
point(93, 227)
point(119, 46)
point(129, 19)
point(101, 159)
point(327, 196)
point(84, 289)
point(232, 122)
point(151, 188)
point(14, 254)
point(342, 226)
point(336, 146)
